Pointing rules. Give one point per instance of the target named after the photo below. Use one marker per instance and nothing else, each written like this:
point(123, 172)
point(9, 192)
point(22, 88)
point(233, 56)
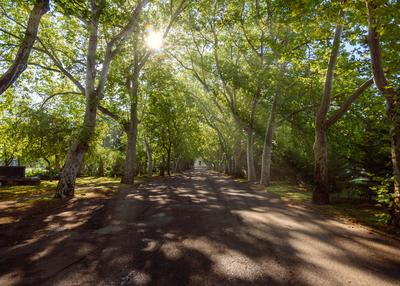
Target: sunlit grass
point(85, 186)
point(290, 192)
point(365, 213)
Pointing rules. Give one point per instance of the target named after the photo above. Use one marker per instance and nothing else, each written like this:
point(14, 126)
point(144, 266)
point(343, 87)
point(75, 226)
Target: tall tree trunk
point(269, 132)
point(226, 162)
point(149, 154)
point(169, 161)
point(162, 166)
point(321, 190)
point(21, 59)
point(251, 171)
point(393, 110)
point(267, 149)
point(392, 96)
point(130, 159)
point(177, 162)
point(73, 162)
point(237, 158)
point(93, 90)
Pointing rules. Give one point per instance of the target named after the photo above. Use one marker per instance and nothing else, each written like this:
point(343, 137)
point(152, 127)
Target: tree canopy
point(266, 90)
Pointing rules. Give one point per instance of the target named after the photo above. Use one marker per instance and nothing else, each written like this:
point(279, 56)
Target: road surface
point(198, 228)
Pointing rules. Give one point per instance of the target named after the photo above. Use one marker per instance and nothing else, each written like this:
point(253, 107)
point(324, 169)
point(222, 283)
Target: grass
point(357, 211)
point(290, 192)
point(16, 201)
point(85, 187)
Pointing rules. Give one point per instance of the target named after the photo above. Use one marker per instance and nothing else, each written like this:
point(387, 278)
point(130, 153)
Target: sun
point(154, 40)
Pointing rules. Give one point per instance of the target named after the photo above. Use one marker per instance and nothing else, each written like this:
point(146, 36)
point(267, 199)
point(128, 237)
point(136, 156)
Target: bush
point(385, 197)
point(43, 174)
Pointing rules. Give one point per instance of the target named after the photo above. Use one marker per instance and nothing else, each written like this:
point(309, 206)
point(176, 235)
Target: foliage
point(384, 197)
point(208, 92)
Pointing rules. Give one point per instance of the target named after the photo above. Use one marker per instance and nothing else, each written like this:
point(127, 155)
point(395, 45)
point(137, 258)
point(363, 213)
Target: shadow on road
point(197, 228)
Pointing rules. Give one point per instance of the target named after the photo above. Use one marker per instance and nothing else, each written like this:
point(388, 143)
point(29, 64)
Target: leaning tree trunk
point(321, 190)
point(21, 59)
point(251, 170)
point(269, 133)
point(267, 150)
point(392, 96)
point(73, 162)
point(149, 154)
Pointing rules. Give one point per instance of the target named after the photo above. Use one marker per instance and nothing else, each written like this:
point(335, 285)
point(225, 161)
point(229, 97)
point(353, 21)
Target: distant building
point(199, 164)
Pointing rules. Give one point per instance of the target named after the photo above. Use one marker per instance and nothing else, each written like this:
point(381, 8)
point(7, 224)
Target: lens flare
point(154, 40)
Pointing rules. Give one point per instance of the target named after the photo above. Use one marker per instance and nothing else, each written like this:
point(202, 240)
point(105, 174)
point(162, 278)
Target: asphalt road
point(198, 228)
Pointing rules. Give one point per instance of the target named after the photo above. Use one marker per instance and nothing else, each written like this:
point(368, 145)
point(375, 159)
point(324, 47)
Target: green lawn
point(290, 192)
point(85, 187)
point(357, 211)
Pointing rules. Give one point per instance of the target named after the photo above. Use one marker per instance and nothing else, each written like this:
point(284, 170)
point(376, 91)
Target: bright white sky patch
point(154, 40)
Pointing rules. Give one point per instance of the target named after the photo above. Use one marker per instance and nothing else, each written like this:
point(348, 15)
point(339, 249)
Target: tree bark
point(73, 162)
point(267, 150)
point(321, 190)
point(169, 160)
point(269, 133)
point(237, 158)
point(251, 171)
point(162, 166)
point(177, 163)
point(21, 59)
point(93, 94)
point(130, 159)
point(392, 96)
point(149, 154)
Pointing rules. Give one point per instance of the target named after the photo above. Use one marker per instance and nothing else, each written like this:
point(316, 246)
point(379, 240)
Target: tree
point(21, 59)
point(138, 61)
point(322, 122)
point(392, 95)
point(93, 91)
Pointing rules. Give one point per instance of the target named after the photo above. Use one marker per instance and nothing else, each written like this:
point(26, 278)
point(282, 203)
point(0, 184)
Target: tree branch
point(21, 59)
point(346, 104)
point(376, 54)
point(58, 93)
